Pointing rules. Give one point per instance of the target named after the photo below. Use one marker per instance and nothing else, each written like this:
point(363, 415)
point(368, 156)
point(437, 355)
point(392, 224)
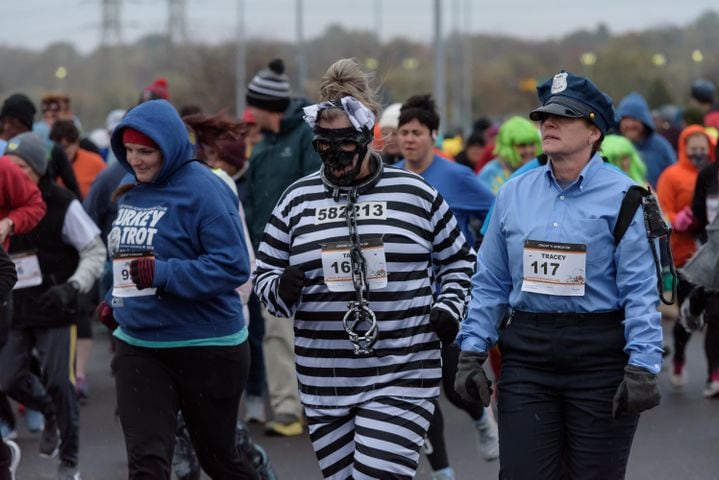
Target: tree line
point(660, 63)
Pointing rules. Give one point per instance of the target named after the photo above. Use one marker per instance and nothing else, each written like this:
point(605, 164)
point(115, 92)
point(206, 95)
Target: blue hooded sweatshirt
point(655, 150)
point(187, 218)
point(467, 198)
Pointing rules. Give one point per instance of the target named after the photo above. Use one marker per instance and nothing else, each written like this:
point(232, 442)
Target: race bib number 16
point(337, 265)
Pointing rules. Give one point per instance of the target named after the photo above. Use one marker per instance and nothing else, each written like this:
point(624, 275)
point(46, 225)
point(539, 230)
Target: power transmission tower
point(111, 25)
point(177, 21)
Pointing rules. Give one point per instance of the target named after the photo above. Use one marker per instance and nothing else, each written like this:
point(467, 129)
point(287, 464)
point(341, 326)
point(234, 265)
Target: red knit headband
point(130, 135)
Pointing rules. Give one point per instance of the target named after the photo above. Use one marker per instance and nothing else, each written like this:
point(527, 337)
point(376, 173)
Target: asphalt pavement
point(677, 440)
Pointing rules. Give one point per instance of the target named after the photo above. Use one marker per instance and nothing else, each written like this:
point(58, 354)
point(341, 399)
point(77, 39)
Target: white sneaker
point(487, 436)
point(6, 432)
point(255, 409)
point(679, 380)
point(712, 389)
point(67, 472)
point(15, 456)
point(444, 474)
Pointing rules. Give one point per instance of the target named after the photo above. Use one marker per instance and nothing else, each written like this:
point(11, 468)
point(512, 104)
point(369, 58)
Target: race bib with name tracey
point(337, 265)
point(554, 268)
point(363, 211)
point(28, 270)
point(123, 286)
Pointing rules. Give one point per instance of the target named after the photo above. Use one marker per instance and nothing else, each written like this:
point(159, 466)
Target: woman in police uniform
point(582, 346)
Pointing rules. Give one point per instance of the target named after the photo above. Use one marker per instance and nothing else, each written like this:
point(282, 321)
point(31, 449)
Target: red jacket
point(20, 199)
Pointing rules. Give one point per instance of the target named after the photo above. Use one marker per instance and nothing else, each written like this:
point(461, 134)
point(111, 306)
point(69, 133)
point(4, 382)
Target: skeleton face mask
point(342, 151)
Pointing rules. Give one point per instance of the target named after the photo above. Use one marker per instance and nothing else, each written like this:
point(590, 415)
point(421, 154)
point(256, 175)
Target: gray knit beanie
point(30, 148)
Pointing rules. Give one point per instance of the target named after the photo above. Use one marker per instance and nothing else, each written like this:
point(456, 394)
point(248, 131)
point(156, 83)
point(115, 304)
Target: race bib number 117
point(553, 268)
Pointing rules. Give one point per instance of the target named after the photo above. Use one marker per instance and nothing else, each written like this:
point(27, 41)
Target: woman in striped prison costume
point(353, 252)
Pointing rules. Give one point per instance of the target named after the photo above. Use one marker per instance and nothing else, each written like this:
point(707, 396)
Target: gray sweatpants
point(54, 393)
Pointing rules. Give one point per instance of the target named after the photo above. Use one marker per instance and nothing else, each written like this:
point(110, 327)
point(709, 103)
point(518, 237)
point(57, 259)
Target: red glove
point(104, 314)
point(142, 272)
point(684, 220)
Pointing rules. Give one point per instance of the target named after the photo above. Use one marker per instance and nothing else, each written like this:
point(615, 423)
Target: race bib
point(554, 268)
point(123, 286)
point(337, 265)
point(363, 211)
point(27, 266)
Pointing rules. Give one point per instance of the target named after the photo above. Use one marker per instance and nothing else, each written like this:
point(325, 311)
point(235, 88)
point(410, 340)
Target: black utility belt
point(560, 319)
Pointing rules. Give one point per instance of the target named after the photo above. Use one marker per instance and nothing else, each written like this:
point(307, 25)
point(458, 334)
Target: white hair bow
point(360, 116)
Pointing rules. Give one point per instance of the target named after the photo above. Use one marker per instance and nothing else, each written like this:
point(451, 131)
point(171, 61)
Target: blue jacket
point(188, 219)
point(655, 150)
point(467, 198)
point(533, 206)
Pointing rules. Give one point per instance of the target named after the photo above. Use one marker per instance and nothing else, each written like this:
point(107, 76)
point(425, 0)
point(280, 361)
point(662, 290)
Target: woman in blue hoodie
point(178, 254)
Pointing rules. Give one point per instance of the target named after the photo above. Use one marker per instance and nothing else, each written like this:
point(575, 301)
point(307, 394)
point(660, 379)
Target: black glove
point(291, 282)
point(637, 392)
point(688, 319)
point(471, 383)
point(59, 297)
point(691, 311)
point(444, 324)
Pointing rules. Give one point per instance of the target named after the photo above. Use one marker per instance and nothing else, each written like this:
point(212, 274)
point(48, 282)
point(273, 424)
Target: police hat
point(568, 95)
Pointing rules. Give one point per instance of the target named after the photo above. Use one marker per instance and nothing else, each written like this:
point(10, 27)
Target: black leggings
point(5, 460)
point(6, 413)
point(205, 383)
point(711, 338)
point(681, 336)
point(5, 410)
point(437, 455)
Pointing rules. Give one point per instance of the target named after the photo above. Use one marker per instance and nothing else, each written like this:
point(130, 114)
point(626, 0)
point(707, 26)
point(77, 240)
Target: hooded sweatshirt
point(655, 150)
point(675, 190)
point(277, 161)
point(467, 198)
point(187, 218)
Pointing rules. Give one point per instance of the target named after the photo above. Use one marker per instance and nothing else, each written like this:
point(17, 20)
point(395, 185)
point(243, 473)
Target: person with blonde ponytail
point(353, 253)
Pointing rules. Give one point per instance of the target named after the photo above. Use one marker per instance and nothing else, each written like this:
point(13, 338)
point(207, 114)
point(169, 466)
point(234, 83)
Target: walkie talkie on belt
point(658, 234)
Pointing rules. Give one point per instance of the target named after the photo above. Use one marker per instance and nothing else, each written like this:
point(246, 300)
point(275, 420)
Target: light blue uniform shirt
point(533, 206)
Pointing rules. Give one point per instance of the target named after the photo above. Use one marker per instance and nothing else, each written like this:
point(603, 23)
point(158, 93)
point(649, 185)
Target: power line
point(111, 24)
point(177, 21)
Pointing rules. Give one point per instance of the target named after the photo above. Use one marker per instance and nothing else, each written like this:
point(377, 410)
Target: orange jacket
point(87, 165)
point(675, 190)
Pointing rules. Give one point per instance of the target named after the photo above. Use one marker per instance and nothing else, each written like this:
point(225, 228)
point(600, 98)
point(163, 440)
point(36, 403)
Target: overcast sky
point(36, 23)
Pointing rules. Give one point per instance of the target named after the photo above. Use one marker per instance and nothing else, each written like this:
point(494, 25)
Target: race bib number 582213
point(363, 211)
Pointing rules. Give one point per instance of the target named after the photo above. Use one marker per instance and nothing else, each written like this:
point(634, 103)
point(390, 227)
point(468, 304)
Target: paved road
point(678, 440)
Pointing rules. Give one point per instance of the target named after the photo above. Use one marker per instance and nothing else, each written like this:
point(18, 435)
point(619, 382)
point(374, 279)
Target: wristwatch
point(75, 285)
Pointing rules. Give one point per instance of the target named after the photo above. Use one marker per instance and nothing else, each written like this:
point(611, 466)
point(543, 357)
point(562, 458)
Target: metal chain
point(358, 313)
